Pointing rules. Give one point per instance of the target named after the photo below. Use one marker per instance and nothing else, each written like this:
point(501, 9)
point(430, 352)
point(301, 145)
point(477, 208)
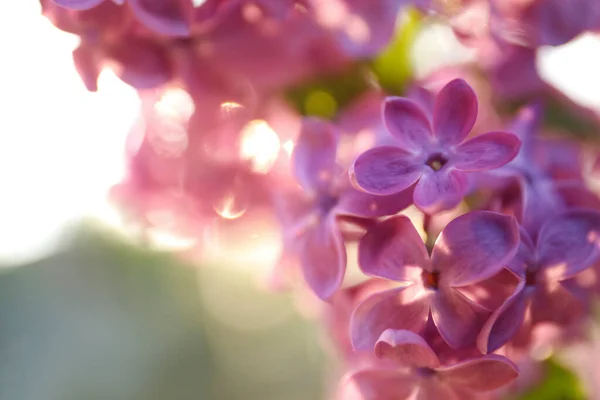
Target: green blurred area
point(103, 320)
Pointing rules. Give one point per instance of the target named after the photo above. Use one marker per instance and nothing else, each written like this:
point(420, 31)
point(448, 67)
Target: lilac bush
point(472, 206)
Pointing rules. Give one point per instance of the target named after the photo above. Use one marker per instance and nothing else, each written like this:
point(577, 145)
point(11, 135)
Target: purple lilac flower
point(470, 249)
point(413, 367)
point(432, 154)
point(311, 216)
point(566, 245)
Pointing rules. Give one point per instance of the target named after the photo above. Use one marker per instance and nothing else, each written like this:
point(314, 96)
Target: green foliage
point(558, 384)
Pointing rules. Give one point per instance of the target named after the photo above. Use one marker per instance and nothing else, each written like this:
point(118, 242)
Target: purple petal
point(474, 247)
point(385, 170)
point(358, 203)
point(457, 318)
point(142, 64)
point(406, 348)
point(440, 190)
point(505, 322)
point(167, 17)
point(569, 243)
point(525, 255)
point(482, 374)
point(407, 123)
point(381, 384)
point(393, 250)
point(400, 308)
point(488, 151)
point(435, 389)
point(78, 4)
point(323, 257)
point(455, 112)
point(314, 155)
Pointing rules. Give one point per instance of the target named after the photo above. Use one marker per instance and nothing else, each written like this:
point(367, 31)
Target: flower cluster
point(475, 221)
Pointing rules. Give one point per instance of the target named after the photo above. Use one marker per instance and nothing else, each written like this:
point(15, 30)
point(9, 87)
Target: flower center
point(530, 279)
point(436, 161)
point(431, 280)
point(326, 202)
point(425, 372)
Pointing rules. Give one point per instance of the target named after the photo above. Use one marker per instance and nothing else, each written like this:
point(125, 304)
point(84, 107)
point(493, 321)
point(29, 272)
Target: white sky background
point(61, 147)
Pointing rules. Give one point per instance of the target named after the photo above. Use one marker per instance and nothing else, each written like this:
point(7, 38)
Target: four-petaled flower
point(470, 249)
point(566, 245)
point(435, 156)
point(311, 216)
point(414, 369)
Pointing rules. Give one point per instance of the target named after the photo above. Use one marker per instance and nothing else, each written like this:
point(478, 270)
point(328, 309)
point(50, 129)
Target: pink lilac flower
point(432, 154)
point(413, 369)
point(470, 249)
point(311, 217)
point(566, 245)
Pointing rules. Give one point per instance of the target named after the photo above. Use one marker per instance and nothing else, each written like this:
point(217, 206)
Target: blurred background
point(87, 312)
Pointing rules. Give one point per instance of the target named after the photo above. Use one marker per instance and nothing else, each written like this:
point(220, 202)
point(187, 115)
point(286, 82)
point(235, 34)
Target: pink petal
point(323, 257)
point(167, 17)
point(455, 112)
point(474, 247)
point(440, 190)
point(358, 203)
point(552, 302)
point(314, 155)
point(488, 151)
point(86, 63)
point(385, 170)
point(505, 322)
point(407, 123)
point(569, 243)
point(78, 4)
point(401, 308)
point(435, 389)
point(482, 374)
point(382, 384)
point(457, 318)
point(406, 348)
point(393, 250)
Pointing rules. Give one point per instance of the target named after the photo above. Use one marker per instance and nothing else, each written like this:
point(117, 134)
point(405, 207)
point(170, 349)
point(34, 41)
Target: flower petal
point(482, 374)
point(323, 257)
point(393, 250)
point(314, 155)
point(569, 243)
point(457, 318)
point(167, 17)
point(407, 123)
point(505, 322)
point(355, 202)
point(142, 63)
point(78, 4)
point(440, 190)
point(455, 112)
point(86, 63)
point(400, 308)
point(380, 384)
point(385, 170)
point(488, 151)
point(474, 247)
point(406, 348)
point(552, 302)
point(524, 257)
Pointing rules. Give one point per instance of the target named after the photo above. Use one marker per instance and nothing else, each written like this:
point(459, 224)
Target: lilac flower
point(414, 368)
point(312, 216)
point(566, 245)
point(470, 249)
point(436, 159)
point(78, 4)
